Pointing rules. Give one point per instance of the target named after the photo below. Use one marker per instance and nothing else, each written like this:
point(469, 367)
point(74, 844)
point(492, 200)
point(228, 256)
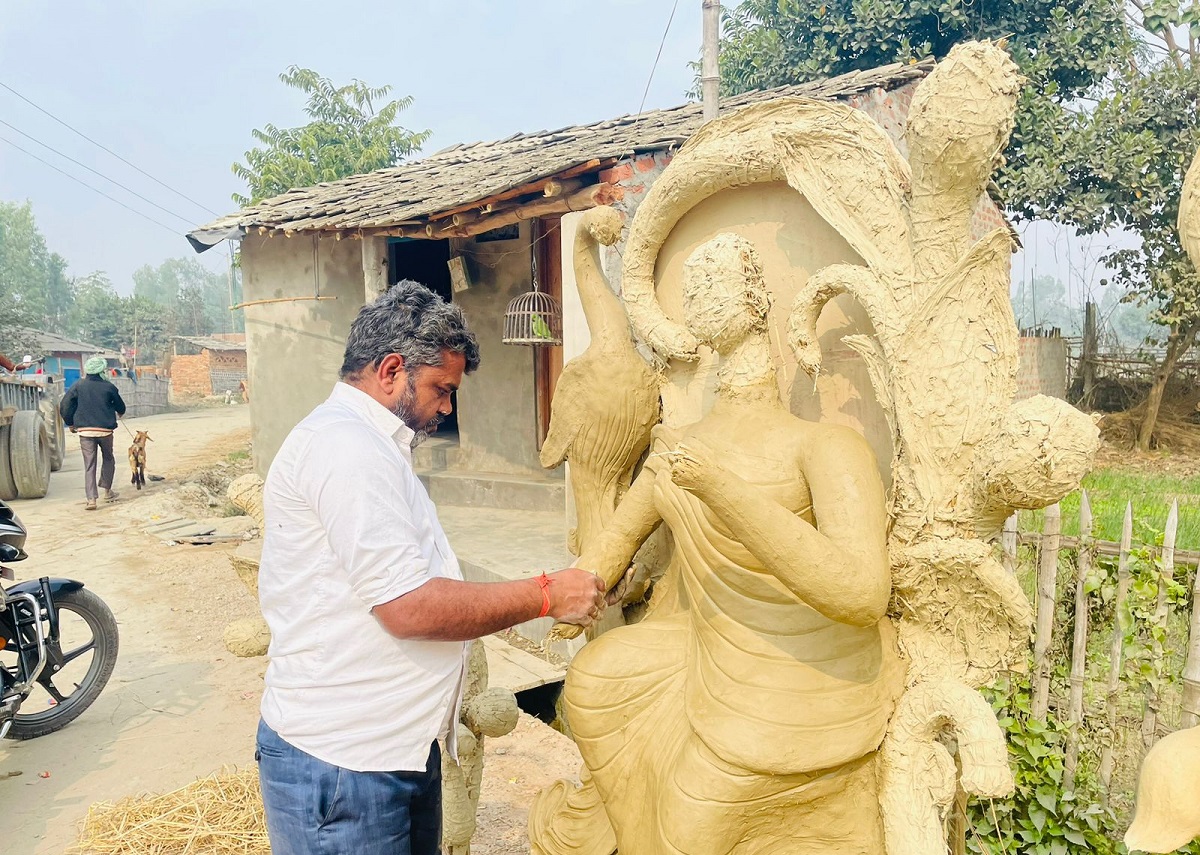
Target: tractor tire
point(29, 453)
point(8, 487)
point(56, 433)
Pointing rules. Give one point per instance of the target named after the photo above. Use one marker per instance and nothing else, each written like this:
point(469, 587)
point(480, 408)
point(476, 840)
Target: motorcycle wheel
point(88, 636)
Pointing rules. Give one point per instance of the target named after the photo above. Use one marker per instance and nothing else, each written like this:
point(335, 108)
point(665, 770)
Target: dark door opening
point(425, 261)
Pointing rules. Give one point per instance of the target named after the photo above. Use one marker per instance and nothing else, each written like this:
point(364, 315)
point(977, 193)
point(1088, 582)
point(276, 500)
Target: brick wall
point(212, 372)
point(1043, 367)
point(227, 369)
point(191, 375)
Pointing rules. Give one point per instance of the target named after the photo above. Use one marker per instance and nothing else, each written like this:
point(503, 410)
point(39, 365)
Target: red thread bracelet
point(544, 581)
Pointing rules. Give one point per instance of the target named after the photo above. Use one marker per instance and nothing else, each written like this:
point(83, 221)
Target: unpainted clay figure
point(485, 712)
point(751, 712)
point(709, 727)
point(606, 400)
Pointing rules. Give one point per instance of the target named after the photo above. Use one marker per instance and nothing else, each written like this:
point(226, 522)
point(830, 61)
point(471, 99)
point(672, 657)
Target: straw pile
point(1176, 428)
point(218, 815)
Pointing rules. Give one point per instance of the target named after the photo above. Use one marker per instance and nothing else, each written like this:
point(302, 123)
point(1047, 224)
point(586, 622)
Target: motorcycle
point(58, 644)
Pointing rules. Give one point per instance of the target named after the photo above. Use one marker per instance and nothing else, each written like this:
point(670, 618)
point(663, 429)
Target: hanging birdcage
point(534, 318)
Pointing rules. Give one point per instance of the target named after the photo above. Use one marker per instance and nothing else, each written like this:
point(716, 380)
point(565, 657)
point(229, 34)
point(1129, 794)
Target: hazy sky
point(176, 87)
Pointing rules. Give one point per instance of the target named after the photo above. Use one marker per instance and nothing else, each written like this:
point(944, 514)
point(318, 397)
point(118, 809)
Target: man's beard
point(405, 411)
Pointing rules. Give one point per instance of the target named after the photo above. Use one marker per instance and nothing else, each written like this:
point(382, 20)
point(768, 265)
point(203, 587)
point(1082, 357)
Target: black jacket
point(93, 402)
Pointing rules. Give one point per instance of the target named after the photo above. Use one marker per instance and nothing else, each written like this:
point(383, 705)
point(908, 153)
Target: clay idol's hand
point(694, 466)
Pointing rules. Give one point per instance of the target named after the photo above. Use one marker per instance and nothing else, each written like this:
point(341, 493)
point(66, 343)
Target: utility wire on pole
point(710, 77)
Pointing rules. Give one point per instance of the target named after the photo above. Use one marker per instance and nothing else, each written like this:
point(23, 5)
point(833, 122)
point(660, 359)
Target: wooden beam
point(561, 187)
point(593, 165)
point(581, 200)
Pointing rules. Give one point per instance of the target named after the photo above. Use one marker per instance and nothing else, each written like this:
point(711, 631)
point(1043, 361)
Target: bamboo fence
point(1054, 551)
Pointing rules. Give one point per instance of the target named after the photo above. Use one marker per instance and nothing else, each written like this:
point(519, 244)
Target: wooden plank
point(516, 670)
point(1083, 567)
point(1116, 650)
point(1047, 585)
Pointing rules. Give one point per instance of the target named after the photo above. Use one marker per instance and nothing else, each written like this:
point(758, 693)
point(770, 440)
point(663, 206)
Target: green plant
point(1039, 818)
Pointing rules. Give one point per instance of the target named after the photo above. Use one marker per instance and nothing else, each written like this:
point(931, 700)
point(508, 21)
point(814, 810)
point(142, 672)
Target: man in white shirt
point(368, 610)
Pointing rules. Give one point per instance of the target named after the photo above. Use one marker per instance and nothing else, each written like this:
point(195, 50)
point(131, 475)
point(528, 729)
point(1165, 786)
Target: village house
point(60, 356)
point(208, 365)
point(483, 224)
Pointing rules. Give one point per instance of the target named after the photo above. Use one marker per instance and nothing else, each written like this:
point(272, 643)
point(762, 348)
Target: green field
point(1110, 488)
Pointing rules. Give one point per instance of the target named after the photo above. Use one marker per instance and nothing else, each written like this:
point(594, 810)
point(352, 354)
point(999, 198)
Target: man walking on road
point(90, 409)
point(367, 607)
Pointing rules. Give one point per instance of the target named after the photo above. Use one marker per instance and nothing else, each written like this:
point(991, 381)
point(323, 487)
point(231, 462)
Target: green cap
point(95, 365)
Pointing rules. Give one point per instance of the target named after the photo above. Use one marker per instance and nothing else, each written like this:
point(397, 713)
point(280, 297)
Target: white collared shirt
point(350, 527)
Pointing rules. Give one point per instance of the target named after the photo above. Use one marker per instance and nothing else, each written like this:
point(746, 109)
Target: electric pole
point(710, 76)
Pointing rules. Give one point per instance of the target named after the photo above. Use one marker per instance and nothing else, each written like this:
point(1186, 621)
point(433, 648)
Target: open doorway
point(425, 261)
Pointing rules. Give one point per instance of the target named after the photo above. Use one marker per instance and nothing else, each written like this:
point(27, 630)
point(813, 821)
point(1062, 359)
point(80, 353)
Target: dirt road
point(178, 705)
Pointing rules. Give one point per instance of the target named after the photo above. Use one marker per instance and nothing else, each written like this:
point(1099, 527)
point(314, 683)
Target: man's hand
point(576, 596)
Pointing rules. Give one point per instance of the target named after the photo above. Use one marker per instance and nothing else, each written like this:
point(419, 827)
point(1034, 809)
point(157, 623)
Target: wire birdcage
point(534, 318)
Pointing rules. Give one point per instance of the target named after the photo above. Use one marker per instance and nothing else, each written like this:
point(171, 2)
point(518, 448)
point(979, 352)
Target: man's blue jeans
point(316, 808)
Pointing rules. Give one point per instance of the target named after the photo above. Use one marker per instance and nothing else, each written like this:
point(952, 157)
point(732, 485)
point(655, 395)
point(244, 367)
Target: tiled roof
point(467, 173)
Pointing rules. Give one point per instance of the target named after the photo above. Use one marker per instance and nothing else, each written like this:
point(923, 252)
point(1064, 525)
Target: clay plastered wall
point(295, 349)
point(1043, 368)
point(190, 375)
point(497, 416)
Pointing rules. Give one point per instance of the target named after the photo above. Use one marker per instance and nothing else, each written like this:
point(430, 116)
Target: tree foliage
point(776, 42)
point(34, 288)
point(347, 135)
point(199, 298)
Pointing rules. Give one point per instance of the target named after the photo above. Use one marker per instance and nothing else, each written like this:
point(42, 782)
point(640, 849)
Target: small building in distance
point(60, 356)
point(208, 365)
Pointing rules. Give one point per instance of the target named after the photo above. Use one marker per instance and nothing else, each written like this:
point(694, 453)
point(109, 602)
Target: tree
point(199, 297)
point(1042, 303)
point(34, 288)
point(347, 136)
point(98, 315)
point(1120, 165)
point(1066, 43)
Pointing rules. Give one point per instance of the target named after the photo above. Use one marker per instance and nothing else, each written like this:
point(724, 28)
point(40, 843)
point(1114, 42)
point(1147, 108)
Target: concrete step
point(472, 489)
point(435, 454)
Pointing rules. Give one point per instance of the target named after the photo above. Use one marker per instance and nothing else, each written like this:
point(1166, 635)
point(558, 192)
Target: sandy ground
point(179, 706)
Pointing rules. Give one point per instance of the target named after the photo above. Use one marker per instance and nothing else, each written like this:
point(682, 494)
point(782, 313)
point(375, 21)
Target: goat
point(137, 458)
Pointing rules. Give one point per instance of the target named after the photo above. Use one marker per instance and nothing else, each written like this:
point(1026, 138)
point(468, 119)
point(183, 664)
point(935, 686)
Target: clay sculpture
point(765, 709)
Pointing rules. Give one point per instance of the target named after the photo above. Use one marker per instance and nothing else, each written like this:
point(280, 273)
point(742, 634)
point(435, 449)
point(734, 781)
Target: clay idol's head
point(725, 298)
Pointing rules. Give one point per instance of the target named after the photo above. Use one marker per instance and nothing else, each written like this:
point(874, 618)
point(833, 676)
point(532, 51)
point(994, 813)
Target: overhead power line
point(172, 230)
point(109, 150)
point(131, 191)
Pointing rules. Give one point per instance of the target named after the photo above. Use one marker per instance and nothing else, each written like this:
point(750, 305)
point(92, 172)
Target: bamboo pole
point(1009, 541)
point(1047, 582)
point(1161, 613)
point(1083, 568)
point(1116, 652)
